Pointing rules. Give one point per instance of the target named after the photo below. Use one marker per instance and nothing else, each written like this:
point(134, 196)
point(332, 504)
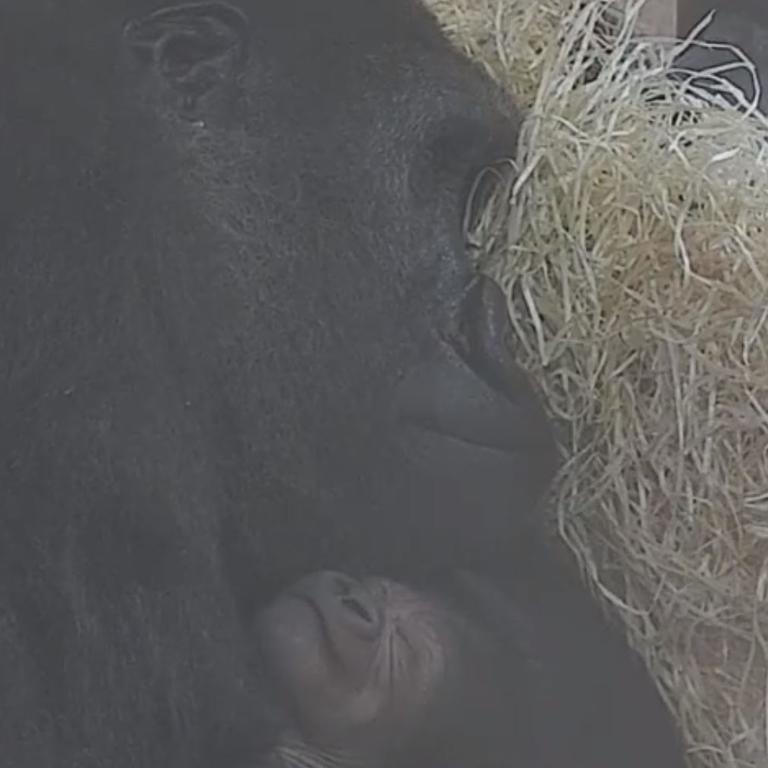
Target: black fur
point(230, 234)
point(570, 692)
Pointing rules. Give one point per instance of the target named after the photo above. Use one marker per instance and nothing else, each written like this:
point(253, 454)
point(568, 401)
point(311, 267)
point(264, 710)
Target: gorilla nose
point(484, 340)
point(345, 602)
point(357, 602)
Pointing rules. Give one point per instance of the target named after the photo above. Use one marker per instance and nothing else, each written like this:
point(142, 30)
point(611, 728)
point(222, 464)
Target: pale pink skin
point(358, 660)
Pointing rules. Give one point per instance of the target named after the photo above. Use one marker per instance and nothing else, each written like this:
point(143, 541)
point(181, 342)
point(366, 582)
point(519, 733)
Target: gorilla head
point(236, 311)
point(375, 674)
point(321, 155)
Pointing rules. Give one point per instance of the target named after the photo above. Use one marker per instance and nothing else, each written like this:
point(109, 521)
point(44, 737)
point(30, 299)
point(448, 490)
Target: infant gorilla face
point(363, 665)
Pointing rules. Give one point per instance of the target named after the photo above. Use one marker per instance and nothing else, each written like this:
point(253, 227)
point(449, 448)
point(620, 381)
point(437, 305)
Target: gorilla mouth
point(458, 405)
point(473, 428)
point(474, 393)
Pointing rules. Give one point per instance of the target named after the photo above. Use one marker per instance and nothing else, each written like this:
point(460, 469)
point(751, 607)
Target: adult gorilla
point(240, 341)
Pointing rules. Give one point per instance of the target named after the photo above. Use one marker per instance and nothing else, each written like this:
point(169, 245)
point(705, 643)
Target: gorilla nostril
point(360, 609)
point(341, 585)
point(355, 606)
point(487, 317)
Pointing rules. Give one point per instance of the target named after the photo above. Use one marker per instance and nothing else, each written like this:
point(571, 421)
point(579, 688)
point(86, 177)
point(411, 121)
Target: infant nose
point(352, 603)
point(355, 598)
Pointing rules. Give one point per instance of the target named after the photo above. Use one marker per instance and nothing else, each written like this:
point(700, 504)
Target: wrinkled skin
point(241, 341)
point(359, 663)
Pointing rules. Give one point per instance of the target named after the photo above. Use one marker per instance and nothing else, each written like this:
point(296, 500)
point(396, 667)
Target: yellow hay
point(633, 243)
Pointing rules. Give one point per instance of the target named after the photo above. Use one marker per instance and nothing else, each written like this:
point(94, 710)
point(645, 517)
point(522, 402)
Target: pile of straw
point(633, 243)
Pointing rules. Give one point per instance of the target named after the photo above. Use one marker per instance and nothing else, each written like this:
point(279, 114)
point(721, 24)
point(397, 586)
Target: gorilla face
point(379, 674)
point(325, 152)
point(358, 660)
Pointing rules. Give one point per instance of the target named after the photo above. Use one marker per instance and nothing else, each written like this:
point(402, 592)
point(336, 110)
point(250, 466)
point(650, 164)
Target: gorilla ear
point(195, 49)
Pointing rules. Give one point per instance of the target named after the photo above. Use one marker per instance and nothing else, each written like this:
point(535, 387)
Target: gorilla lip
point(432, 426)
point(433, 398)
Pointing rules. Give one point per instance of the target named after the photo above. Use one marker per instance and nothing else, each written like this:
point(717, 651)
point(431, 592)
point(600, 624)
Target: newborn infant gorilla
point(377, 674)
